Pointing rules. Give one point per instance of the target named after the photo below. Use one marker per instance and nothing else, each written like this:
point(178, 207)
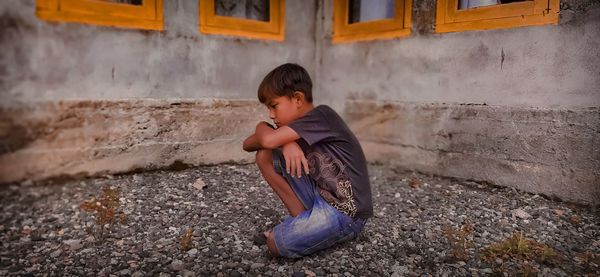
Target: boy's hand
point(294, 159)
point(263, 124)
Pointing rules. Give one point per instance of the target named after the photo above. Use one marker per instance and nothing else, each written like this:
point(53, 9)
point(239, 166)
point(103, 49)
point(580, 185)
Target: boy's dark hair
point(284, 80)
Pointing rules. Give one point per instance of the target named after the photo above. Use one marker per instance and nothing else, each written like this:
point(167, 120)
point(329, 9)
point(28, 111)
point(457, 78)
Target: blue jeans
point(318, 227)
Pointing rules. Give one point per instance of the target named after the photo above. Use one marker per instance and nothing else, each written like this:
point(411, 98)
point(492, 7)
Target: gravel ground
point(43, 228)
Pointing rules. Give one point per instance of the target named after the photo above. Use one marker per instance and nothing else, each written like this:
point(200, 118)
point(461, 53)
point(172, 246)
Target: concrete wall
point(80, 100)
point(46, 61)
point(550, 66)
point(514, 107)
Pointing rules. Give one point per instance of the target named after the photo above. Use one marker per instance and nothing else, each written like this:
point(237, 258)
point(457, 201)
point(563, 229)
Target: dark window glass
point(468, 4)
point(370, 10)
point(130, 2)
point(248, 9)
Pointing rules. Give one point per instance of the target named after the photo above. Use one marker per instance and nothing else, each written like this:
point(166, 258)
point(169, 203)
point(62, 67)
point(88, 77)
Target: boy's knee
point(264, 157)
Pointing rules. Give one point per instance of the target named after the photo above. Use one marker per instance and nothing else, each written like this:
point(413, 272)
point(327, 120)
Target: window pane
point(370, 10)
point(248, 9)
point(130, 2)
point(467, 4)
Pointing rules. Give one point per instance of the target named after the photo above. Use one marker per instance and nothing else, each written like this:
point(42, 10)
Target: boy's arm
point(267, 137)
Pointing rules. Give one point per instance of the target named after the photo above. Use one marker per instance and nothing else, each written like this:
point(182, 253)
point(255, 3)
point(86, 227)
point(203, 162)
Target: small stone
point(199, 184)
point(193, 252)
point(177, 265)
point(188, 273)
point(520, 214)
point(74, 244)
point(56, 253)
point(320, 272)
point(309, 273)
point(257, 265)
point(235, 273)
point(137, 274)
point(298, 274)
point(359, 247)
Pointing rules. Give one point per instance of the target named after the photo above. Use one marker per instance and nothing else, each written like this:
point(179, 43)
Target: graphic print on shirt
point(333, 185)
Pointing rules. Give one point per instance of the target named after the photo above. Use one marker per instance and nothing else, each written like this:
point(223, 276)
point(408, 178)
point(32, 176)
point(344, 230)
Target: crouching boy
point(313, 162)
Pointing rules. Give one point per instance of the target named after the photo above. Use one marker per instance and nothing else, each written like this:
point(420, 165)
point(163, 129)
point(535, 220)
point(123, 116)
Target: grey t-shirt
point(336, 161)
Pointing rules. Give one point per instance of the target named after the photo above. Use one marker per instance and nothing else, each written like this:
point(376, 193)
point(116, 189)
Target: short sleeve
point(314, 126)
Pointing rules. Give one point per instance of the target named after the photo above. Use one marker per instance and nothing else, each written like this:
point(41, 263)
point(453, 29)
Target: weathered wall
point(515, 107)
point(82, 138)
point(535, 121)
point(547, 66)
point(79, 99)
point(50, 61)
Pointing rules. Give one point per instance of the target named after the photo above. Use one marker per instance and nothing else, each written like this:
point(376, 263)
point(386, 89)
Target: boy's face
point(283, 110)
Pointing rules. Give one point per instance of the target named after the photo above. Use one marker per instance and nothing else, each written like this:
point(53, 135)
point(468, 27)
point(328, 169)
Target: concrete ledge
point(551, 152)
point(86, 138)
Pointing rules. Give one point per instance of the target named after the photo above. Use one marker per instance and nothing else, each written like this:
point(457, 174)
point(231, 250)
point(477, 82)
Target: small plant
point(107, 213)
point(186, 243)
point(413, 183)
point(521, 248)
point(527, 270)
point(589, 260)
point(498, 271)
point(575, 219)
point(459, 240)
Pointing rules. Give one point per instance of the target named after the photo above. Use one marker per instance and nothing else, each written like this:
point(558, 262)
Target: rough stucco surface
point(548, 66)
point(81, 99)
point(552, 152)
point(97, 137)
point(515, 107)
point(48, 61)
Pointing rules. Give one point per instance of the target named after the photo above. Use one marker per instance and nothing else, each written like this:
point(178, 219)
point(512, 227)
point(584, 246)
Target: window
point(263, 19)
point(465, 15)
point(355, 20)
point(141, 14)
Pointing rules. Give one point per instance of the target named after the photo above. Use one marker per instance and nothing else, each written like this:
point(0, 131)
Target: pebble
point(177, 265)
point(520, 214)
point(56, 253)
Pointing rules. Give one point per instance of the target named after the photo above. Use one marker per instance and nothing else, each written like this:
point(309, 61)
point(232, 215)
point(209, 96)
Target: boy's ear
point(298, 97)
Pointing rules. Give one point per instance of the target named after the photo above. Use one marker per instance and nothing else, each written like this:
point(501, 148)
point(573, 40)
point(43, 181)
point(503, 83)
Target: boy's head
point(285, 80)
point(287, 92)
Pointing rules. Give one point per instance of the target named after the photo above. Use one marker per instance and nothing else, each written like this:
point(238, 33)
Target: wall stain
point(501, 58)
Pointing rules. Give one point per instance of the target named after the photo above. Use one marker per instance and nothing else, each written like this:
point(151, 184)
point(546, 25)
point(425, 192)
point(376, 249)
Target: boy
point(314, 164)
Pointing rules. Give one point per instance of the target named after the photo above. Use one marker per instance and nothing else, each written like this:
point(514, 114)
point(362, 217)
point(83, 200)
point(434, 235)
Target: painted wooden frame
point(274, 29)
point(149, 15)
point(399, 26)
point(528, 13)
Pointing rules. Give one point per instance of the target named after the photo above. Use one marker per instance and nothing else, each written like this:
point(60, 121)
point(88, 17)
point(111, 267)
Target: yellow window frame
point(517, 14)
point(211, 23)
point(149, 15)
point(399, 26)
